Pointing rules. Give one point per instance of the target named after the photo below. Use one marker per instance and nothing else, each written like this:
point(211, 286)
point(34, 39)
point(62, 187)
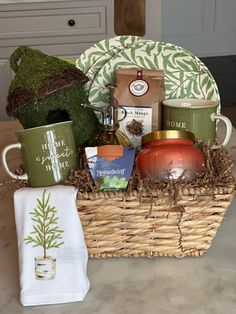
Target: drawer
point(69, 19)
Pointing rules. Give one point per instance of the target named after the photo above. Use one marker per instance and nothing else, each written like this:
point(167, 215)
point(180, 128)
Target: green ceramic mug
point(197, 116)
point(48, 153)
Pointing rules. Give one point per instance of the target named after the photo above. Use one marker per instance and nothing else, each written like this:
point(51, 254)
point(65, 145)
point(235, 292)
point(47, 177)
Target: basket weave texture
point(117, 224)
point(170, 218)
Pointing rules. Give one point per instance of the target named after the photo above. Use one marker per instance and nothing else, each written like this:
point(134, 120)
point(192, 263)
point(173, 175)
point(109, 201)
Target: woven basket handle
point(16, 58)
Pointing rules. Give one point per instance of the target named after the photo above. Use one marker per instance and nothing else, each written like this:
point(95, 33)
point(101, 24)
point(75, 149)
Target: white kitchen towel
point(51, 247)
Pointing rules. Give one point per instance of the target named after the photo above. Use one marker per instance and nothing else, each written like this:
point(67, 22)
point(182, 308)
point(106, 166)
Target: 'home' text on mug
point(54, 159)
point(181, 125)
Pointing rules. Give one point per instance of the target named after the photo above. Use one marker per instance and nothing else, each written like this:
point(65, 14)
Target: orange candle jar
point(168, 155)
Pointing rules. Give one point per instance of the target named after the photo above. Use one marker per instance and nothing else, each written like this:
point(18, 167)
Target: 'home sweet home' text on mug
point(48, 152)
point(197, 116)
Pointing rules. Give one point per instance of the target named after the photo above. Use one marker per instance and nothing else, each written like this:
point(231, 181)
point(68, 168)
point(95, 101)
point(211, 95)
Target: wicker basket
point(120, 224)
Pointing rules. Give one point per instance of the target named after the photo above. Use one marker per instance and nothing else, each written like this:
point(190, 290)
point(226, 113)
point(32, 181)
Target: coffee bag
point(140, 92)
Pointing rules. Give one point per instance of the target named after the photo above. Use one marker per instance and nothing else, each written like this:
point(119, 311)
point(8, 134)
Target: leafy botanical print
point(98, 50)
point(46, 232)
point(94, 58)
point(185, 75)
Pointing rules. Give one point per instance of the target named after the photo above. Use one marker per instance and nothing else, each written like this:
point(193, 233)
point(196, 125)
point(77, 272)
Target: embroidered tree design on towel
point(47, 234)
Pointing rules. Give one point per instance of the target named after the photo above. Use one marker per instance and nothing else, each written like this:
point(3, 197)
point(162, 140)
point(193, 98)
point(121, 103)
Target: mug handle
point(4, 162)
point(228, 125)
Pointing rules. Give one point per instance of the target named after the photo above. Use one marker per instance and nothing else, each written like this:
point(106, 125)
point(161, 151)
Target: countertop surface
point(191, 285)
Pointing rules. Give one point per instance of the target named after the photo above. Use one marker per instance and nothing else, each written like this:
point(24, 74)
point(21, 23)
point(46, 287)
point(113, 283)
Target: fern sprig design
point(46, 232)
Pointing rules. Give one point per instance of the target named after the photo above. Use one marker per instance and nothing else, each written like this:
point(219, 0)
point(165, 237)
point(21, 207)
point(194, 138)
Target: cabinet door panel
point(37, 23)
point(205, 27)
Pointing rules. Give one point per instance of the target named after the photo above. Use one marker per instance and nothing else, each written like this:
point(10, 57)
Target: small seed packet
point(110, 166)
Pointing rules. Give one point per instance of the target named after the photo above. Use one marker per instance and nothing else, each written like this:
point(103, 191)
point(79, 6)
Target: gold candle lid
point(167, 134)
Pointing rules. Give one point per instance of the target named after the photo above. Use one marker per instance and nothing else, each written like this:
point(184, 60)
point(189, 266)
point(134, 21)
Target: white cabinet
point(61, 28)
point(67, 27)
point(205, 27)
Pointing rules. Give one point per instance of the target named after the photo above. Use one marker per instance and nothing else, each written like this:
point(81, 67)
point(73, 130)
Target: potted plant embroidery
point(47, 234)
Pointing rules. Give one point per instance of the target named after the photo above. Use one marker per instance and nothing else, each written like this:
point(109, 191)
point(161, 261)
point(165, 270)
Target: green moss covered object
point(47, 90)
point(61, 106)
